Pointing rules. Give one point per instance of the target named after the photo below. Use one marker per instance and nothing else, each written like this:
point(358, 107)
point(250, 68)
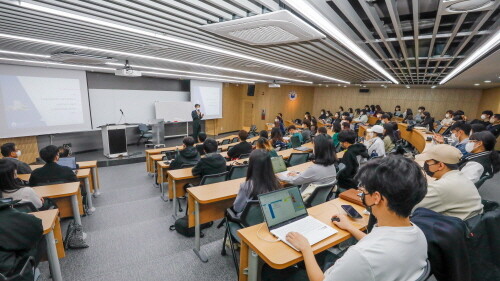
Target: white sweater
point(25, 194)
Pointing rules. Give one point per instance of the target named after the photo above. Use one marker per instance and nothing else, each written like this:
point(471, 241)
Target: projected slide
point(38, 101)
point(209, 96)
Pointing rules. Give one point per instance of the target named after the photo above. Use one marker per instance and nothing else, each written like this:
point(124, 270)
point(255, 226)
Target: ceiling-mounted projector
point(128, 71)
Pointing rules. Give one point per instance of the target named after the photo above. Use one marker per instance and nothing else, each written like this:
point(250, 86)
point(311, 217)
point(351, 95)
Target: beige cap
point(441, 152)
point(376, 129)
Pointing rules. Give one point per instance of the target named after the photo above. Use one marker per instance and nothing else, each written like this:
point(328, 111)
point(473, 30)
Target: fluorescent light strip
point(147, 57)
point(485, 48)
point(187, 72)
point(56, 63)
point(170, 38)
point(306, 10)
point(23, 54)
point(195, 77)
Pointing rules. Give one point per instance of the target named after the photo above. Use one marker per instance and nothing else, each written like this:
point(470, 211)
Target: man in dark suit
point(197, 116)
point(51, 172)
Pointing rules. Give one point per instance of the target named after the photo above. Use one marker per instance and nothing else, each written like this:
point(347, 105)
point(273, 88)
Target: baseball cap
point(442, 152)
point(376, 129)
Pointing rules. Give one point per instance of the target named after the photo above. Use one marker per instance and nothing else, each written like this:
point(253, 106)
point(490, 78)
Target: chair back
point(237, 172)
point(298, 158)
point(25, 207)
point(295, 141)
point(481, 181)
point(229, 147)
point(225, 141)
point(254, 143)
point(215, 178)
point(143, 128)
point(252, 214)
point(235, 139)
point(26, 272)
point(169, 154)
point(187, 166)
point(244, 156)
point(320, 194)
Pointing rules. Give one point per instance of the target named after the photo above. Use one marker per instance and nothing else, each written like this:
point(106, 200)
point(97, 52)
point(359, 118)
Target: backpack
point(181, 226)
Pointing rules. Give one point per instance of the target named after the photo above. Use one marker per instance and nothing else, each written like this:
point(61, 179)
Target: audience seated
point(243, 147)
point(408, 116)
point(379, 118)
point(277, 140)
point(322, 115)
point(336, 128)
point(476, 128)
point(459, 134)
point(427, 121)
point(354, 154)
point(314, 126)
point(452, 193)
point(51, 172)
point(10, 153)
point(397, 111)
point(63, 152)
point(389, 137)
point(448, 118)
point(419, 117)
point(374, 141)
point(494, 126)
point(187, 156)
point(212, 162)
point(264, 134)
point(378, 110)
point(10, 188)
point(322, 171)
point(485, 118)
point(292, 130)
point(322, 130)
point(264, 144)
point(202, 136)
point(260, 179)
point(483, 160)
point(390, 189)
point(306, 130)
point(362, 118)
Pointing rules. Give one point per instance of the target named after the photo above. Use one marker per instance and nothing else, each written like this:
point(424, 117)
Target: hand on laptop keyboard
point(298, 241)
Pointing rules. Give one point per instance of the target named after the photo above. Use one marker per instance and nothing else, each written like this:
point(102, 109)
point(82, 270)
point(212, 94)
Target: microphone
point(121, 111)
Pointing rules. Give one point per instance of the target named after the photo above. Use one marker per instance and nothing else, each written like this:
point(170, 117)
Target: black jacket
point(52, 173)
point(428, 121)
point(196, 118)
point(239, 149)
point(494, 129)
point(188, 156)
point(212, 163)
point(22, 168)
point(20, 234)
point(345, 177)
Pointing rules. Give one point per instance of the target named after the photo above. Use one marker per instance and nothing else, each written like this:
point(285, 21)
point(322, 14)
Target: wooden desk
point(417, 138)
point(67, 197)
point(55, 248)
point(372, 120)
point(279, 255)
point(95, 183)
point(209, 202)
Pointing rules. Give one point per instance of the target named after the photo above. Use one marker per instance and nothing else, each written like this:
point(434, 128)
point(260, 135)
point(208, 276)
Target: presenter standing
point(197, 116)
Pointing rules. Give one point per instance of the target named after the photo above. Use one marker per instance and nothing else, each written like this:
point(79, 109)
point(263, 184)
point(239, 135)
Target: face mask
point(483, 117)
point(18, 153)
point(427, 171)
point(368, 208)
point(276, 120)
point(454, 137)
point(447, 115)
point(420, 110)
point(382, 122)
point(469, 147)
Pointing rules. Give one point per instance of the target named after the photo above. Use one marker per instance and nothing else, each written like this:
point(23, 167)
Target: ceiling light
point(407, 86)
point(477, 84)
point(194, 77)
point(345, 86)
point(375, 82)
point(472, 58)
point(57, 63)
point(23, 54)
point(73, 46)
point(311, 14)
point(434, 86)
point(487, 81)
point(167, 38)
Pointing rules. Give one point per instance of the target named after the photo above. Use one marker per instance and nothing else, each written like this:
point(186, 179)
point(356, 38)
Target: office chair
point(145, 133)
point(235, 139)
point(26, 272)
point(321, 194)
point(25, 207)
point(295, 141)
point(244, 156)
point(297, 158)
point(481, 181)
point(237, 172)
point(207, 179)
point(225, 141)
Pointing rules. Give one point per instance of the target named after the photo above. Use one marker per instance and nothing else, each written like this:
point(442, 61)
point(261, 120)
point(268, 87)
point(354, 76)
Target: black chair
point(145, 133)
point(295, 141)
point(254, 143)
point(24, 272)
point(237, 172)
point(226, 141)
point(25, 207)
point(235, 139)
point(481, 181)
point(208, 179)
point(244, 156)
point(296, 159)
point(229, 147)
point(187, 166)
point(251, 215)
point(321, 194)
point(219, 150)
point(169, 155)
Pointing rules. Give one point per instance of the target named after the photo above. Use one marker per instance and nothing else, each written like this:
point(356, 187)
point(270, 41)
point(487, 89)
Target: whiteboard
point(137, 105)
point(209, 96)
point(174, 111)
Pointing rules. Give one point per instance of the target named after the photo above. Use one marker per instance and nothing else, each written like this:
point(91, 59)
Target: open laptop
point(284, 212)
point(68, 162)
point(279, 165)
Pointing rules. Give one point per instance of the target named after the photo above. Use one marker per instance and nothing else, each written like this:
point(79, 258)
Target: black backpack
point(181, 226)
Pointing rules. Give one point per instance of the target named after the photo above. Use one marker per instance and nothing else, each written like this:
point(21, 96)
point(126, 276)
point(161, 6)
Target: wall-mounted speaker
point(364, 90)
point(251, 90)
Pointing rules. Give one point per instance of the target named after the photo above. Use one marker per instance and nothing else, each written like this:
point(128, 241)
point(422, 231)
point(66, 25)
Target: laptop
point(303, 148)
point(284, 212)
point(279, 165)
point(68, 162)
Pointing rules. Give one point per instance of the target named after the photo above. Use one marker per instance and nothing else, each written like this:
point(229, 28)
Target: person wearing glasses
point(390, 187)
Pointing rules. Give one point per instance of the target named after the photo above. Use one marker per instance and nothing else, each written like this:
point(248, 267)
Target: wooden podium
point(114, 140)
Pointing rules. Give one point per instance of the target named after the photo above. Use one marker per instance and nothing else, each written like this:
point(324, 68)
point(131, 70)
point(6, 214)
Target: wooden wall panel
point(28, 146)
point(436, 101)
point(490, 100)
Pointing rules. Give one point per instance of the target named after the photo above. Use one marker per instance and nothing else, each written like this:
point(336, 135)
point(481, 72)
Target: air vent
point(77, 58)
point(464, 6)
point(267, 29)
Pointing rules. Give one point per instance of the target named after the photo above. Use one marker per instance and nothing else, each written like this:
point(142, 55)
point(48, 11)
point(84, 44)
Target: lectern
point(114, 140)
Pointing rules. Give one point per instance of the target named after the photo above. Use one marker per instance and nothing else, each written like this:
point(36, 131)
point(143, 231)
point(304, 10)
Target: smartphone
point(351, 211)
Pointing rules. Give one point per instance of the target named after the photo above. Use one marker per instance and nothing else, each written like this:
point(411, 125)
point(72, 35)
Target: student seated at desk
point(374, 141)
point(451, 194)
point(260, 179)
point(306, 130)
point(243, 147)
point(264, 134)
point(322, 171)
point(202, 136)
point(419, 117)
point(483, 160)
point(264, 144)
point(389, 137)
point(448, 118)
point(277, 140)
point(355, 154)
point(395, 249)
point(322, 131)
point(494, 126)
point(459, 135)
point(362, 118)
point(187, 156)
point(10, 153)
point(212, 163)
point(336, 128)
point(10, 188)
point(63, 152)
point(292, 130)
point(428, 121)
point(20, 237)
point(397, 111)
point(408, 117)
point(51, 172)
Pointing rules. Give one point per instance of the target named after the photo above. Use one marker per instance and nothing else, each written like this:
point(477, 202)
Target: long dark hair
point(260, 173)
point(276, 134)
point(324, 153)
point(489, 141)
point(389, 131)
point(8, 182)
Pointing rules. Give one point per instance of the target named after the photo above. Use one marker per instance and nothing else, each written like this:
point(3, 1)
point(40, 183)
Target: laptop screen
point(68, 162)
point(278, 164)
point(282, 205)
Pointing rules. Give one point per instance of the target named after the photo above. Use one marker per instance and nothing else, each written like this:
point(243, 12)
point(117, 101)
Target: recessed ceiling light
point(487, 81)
point(345, 86)
point(58, 64)
point(407, 86)
point(23, 54)
point(477, 84)
point(434, 86)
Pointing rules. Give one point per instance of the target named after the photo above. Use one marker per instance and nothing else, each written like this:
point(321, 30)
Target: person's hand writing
point(298, 241)
point(438, 138)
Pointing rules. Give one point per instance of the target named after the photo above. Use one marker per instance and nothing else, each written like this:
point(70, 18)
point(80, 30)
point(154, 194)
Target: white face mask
point(420, 110)
point(469, 147)
point(483, 116)
point(276, 120)
point(454, 137)
point(447, 115)
point(18, 152)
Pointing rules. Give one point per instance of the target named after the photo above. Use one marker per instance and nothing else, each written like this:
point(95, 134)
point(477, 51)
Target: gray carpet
point(129, 237)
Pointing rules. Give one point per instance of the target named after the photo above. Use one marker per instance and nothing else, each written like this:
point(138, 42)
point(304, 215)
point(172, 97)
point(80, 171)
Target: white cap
point(376, 129)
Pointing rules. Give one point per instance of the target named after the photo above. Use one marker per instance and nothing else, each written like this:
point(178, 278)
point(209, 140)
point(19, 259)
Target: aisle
point(129, 237)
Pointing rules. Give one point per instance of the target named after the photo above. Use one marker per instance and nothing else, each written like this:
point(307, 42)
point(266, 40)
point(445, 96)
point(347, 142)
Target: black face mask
point(368, 208)
point(427, 171)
